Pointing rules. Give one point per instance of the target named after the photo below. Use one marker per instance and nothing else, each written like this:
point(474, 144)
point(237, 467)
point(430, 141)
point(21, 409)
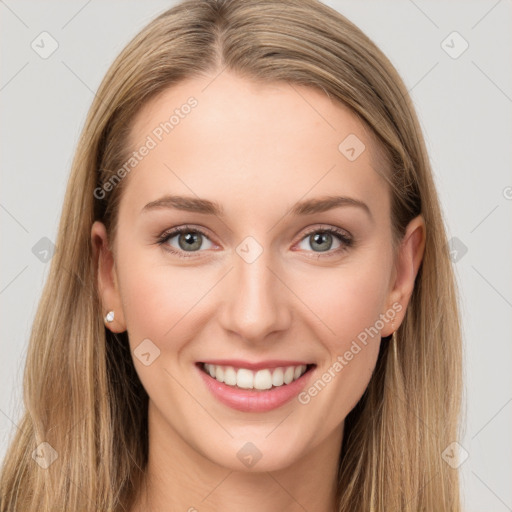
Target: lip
point(249, 400)
point(240, 363)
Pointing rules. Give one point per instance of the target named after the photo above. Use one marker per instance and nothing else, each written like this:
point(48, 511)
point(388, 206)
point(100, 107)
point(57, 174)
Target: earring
point(109, 318)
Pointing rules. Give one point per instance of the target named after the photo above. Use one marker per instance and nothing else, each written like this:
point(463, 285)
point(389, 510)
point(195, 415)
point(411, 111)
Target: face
point(278, 294)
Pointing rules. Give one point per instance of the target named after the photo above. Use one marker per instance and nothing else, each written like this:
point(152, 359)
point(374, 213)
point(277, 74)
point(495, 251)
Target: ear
point(108, 288)
point(409, 258)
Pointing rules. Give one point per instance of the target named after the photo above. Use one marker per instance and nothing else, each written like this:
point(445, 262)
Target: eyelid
point(344, 237)
point(326, 228)
point(175, 231)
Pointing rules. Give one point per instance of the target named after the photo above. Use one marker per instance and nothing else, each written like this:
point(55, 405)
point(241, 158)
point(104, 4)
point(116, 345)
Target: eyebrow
point(307, 207)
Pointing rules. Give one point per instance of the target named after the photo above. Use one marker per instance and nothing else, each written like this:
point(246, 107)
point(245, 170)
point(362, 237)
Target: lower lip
point(250, 400)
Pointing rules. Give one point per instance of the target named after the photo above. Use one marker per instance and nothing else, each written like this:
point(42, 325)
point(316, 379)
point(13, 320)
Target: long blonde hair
point(81, 393)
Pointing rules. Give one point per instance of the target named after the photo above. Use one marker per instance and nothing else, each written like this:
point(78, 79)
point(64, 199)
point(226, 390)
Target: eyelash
point(345, 239)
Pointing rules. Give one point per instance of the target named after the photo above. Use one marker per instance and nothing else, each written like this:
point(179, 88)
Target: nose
point(256, 302)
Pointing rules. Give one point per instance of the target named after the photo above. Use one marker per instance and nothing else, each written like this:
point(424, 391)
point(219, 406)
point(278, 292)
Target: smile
point(265, 378)
point(262, 388)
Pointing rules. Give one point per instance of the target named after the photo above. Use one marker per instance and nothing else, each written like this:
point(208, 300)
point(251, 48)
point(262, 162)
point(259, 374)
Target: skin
point(291, 303)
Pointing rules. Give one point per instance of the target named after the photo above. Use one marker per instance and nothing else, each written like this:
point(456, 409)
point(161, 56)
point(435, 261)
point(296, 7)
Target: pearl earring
point(109, 318)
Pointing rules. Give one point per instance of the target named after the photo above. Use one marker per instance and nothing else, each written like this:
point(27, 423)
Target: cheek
point(350, 303)
point(158, 298)
point(349, 300)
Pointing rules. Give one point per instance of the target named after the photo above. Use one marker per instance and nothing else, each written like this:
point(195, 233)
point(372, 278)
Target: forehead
point(224, 136)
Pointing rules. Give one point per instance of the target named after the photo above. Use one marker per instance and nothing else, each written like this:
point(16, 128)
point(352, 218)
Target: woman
point(194, 348)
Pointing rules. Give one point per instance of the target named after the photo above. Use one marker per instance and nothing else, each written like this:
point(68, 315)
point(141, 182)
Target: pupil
point(320, 238)
point(190, 240)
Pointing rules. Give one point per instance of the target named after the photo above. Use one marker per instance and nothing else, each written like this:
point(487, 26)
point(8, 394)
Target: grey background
point(464, 105)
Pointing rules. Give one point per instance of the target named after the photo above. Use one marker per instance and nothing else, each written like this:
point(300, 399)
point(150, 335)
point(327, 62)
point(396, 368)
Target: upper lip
point(239, 363)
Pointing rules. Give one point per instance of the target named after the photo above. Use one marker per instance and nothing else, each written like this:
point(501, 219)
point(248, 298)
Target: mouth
point(261, 388)
point(260, 380)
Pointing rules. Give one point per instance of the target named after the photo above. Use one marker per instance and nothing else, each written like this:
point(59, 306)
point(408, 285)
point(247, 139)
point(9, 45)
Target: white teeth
point(219, 373)
point(278, 377)
point(288, 374)
point(230, 376)
point(245, 379)
point(261, 379)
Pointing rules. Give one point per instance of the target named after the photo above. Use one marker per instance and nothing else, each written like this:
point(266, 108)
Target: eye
point(191, 240)
point(321, 240)
point(188, 239)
